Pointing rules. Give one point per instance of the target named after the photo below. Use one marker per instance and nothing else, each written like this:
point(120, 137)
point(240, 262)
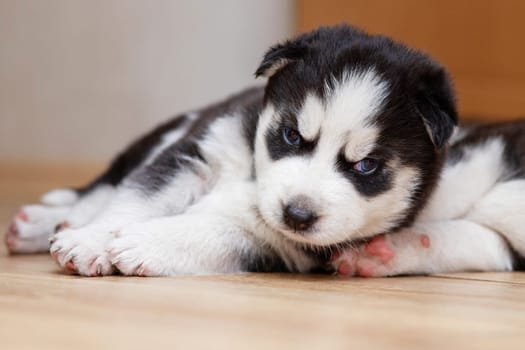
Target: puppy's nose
point(298, 217)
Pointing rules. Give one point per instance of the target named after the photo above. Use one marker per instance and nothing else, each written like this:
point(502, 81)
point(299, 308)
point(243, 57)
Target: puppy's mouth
point(311, 237)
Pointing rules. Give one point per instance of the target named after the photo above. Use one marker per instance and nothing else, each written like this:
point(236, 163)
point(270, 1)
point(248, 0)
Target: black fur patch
point(368, 185)
point(251, 117)
point(134, 155)
point(263, 262)
point(279, 148)
point(278, 55)
point(161, 171)
point(510, 133)
point(183, 153)
point(155, 176)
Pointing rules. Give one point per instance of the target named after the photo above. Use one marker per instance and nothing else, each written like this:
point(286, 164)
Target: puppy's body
point(350, 139)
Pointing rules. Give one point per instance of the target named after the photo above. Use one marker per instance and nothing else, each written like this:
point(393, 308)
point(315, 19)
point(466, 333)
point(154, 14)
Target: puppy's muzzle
point(298, 214)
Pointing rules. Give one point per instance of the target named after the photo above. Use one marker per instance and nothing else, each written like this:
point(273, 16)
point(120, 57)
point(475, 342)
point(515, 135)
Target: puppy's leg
point(84, 250)
point(88, 207)
point(185, 244)
point(503, 210)
point(425, 248)
point(31, 227)
point(216, 235)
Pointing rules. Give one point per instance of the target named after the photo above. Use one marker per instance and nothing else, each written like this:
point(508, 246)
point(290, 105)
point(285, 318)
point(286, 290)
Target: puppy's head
point(350, 140)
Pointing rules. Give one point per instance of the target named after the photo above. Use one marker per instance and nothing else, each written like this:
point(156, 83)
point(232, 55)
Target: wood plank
point(503, 277)
point(236, 310)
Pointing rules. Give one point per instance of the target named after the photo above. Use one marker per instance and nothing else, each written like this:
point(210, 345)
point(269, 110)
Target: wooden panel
point(481, 42)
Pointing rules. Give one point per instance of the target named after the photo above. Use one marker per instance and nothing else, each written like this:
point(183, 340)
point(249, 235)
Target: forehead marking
point(346, 118)
point(311, 117)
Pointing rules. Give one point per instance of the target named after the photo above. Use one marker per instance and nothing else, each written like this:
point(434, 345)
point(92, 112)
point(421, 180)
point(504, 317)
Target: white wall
point(79, 79)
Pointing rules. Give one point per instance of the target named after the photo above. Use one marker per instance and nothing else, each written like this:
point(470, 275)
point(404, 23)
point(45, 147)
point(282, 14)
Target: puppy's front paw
point(384, 255)
point(370, 259)
point(30, 228)
point(135, 252)
point(82, 251)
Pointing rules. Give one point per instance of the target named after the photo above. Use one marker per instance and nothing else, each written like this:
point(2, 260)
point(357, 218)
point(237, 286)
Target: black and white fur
point(223, 190)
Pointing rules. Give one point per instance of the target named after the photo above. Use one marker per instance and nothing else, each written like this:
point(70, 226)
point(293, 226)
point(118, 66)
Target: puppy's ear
point(436, 103)
point(278, 57)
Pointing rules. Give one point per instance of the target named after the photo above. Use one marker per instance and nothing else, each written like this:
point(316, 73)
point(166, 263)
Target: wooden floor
point(43, 308)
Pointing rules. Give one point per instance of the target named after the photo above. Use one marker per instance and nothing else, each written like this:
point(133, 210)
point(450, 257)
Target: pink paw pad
point(345, 269)
point(425, 241)
point(142, 271)
point(11, 237)
point(366, 268)
point(344, 262)
point(13, 230)
point(379, 247)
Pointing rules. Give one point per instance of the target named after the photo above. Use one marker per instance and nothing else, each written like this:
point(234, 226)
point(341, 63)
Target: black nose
point(298, 218)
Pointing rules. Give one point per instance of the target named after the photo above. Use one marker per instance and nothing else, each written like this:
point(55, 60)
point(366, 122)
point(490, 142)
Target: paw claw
point(12, 229)
point(54, 254)
point(70, 266)
point(345, 269)
point(10, 240)
point(95, 269)
point(80, 252)
point(131, 257)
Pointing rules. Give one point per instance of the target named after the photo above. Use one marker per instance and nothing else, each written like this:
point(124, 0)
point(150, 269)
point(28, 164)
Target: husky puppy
point(348, 160)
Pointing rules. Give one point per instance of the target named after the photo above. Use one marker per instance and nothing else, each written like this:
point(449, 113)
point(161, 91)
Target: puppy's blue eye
point(292, 136)
point(366, 166)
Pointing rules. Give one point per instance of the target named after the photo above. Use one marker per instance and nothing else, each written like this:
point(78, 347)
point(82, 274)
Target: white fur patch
point(356, 99)
point(90, 205)
point(355, 102)
point(462, 184)
point(41, 220)
point(346, 118)
point(226, 150)
point(32, 233)
point(60, 197)
point(503, 210)
point(311, 117)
